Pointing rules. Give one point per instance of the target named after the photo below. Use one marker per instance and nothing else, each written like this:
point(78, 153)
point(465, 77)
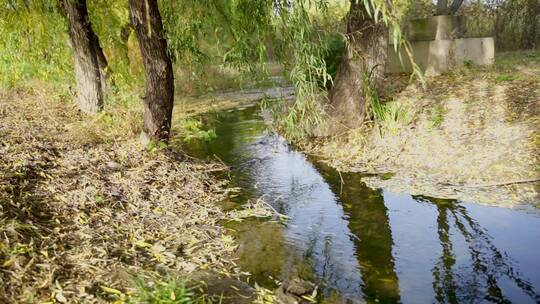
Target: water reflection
point(371, 232)
point(488, 264)
point(363, 243)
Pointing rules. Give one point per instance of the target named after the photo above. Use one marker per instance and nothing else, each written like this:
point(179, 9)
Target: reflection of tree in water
point(370, 225)
point(489, 264)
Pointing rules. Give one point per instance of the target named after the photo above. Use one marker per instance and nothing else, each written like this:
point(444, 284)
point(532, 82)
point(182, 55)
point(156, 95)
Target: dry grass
point(472, 127)
point(82, 206)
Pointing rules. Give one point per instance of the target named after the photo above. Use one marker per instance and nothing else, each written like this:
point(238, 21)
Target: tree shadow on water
point(489, 265)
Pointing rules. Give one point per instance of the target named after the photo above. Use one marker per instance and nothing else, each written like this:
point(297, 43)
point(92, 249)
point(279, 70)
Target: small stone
point(114, 165)
point(298, 287)
point(60, 297)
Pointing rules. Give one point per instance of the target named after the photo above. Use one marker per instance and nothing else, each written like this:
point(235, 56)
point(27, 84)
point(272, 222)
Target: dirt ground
point(84, 209)
point(470, 135)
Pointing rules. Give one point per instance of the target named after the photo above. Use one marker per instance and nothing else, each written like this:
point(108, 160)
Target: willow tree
point(89, 61)
point(362, 66)
point(158, 100)
point(360, 73)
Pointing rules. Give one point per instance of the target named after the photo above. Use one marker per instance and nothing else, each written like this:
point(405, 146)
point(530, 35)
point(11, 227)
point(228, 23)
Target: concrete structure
point(438, 46)
point(436, 28)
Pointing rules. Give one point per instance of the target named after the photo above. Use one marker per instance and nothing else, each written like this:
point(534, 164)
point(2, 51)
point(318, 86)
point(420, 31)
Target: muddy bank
point(83, 212)
point(473, 135)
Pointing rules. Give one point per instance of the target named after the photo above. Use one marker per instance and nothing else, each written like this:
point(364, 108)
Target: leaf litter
point(80, 217)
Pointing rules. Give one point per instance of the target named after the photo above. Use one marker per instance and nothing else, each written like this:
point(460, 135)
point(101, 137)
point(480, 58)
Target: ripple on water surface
point(367, 244)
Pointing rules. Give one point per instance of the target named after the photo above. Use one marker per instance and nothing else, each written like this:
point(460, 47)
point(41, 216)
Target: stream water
point(368, 245)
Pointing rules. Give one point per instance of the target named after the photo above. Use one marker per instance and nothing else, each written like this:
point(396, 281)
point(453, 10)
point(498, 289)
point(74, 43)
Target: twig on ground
point(506, 183)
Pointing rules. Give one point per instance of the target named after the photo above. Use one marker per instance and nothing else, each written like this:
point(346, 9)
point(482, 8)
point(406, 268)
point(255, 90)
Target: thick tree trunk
point(361, 68)
point(444, 9)
point(158, 102)
point(87, 55)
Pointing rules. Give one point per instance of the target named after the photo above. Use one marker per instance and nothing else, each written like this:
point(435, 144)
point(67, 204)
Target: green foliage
point(306, 69)
point(332, 57)
point(110, 21)
point(313, 50)
point(192, 129)
point(172, 291)
point(390, 116)
point(436, 116)
point(242, 34)
point(185, 24)
point(230, 33)
point(504, 78)
point(155, 146)
point(33, 44)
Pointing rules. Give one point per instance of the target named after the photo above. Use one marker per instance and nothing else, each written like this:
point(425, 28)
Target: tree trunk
point(104, 71)
point(86, 56)
point(158, 102)
point(444, 9)
point(456, 4)
point(361, 69)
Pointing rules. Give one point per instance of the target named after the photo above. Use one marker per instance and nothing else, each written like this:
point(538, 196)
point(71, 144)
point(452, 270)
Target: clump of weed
point(504, 78)
point(468, 63)
point(192, 129)
point(436, 116)
point(389, 116)
point(171, 291)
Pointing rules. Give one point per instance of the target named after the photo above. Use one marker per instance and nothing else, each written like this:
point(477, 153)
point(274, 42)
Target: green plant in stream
point(192, 129)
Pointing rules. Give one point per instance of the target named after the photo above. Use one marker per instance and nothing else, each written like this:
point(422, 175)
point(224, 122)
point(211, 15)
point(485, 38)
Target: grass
point(504, 77)
point(390, 116)
point(511, 60)
point(170, 291)
point(436, 117)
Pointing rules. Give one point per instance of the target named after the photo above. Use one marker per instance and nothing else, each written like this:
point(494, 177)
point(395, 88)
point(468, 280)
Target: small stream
point(367, 245)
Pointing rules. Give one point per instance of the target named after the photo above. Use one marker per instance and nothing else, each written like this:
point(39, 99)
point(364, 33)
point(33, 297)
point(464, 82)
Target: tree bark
point(444, 9)
point(87, 54)
point(158, 102)
point(361, 69)
point(456, 4)
point(103, 64)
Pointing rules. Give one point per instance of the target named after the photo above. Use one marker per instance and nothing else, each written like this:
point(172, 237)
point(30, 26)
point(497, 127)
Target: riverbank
point(85, 210)
point(473, 135)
